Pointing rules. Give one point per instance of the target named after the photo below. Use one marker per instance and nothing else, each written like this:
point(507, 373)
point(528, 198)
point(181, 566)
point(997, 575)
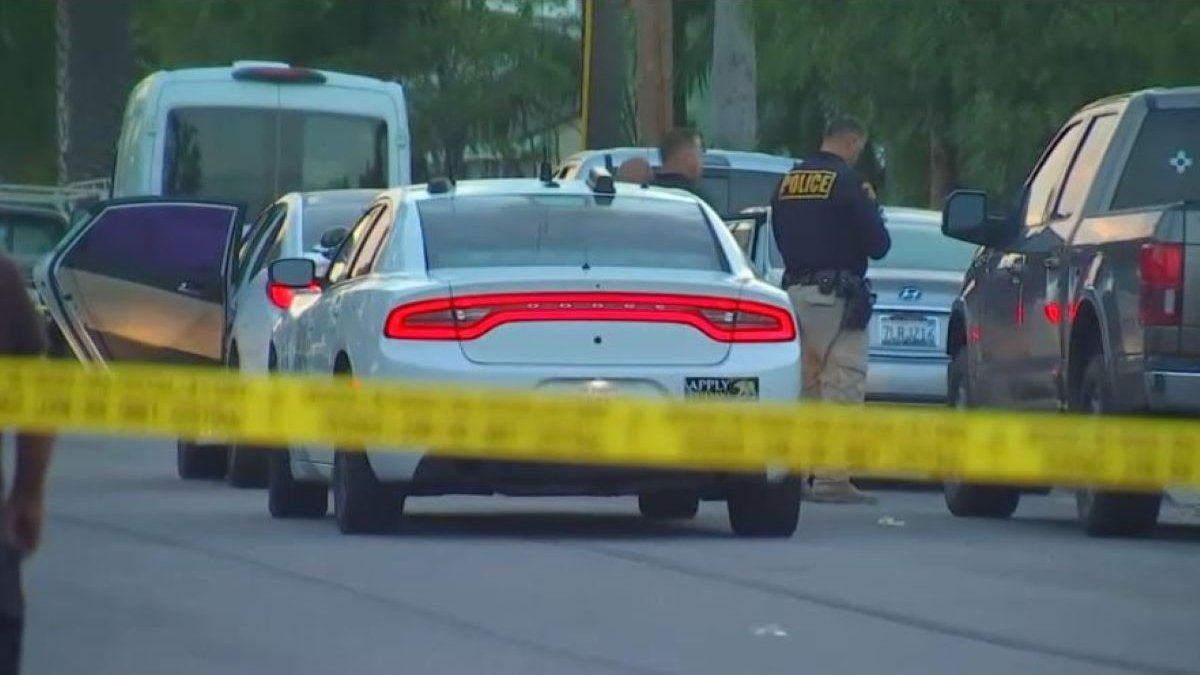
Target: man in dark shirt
point(21, 334)
point(682, 163)
point(827, 224)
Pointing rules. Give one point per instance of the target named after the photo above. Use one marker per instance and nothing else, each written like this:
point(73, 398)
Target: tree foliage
point(960, 91)
point(475, 76)
point(27, 121)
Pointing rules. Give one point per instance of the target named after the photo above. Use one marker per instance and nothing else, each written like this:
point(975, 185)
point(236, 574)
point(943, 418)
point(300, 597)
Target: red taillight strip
point(456, 323)
point(282, 296)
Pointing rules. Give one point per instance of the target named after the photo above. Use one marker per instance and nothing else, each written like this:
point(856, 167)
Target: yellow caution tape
point(981, 446)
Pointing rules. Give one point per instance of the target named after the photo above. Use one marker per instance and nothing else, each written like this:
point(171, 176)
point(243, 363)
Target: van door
point(333, 138)
point(144, 280)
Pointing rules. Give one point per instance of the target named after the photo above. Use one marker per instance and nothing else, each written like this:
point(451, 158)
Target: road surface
point(144, 574)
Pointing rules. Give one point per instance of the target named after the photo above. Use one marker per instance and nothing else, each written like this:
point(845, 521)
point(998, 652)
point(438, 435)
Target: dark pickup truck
point(1086, 298)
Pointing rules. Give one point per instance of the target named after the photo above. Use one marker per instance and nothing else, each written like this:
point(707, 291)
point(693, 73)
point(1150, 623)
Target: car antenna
point(545, 174)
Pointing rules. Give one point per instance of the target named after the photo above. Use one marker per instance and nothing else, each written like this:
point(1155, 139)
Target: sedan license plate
point(912, 332)
point(737, 388)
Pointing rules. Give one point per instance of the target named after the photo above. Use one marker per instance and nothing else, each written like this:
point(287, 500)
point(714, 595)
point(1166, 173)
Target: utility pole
point(654, 69)
point(603, 81)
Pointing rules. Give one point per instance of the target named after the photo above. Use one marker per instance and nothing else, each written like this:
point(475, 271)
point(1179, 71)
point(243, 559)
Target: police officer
point(827, 224)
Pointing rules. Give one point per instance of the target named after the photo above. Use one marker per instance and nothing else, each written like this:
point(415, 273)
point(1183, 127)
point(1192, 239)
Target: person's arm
point(867, 219)
point(26, 337)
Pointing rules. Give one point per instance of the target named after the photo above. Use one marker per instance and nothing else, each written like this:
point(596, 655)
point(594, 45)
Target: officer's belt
point(810, 277)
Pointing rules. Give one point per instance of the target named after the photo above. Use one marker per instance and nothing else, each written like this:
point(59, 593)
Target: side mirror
point(292, 272)
point(333, 238)
point(965, 217)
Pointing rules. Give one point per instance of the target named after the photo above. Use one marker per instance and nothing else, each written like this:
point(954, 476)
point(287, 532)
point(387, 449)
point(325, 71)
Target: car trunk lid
point(912, 311)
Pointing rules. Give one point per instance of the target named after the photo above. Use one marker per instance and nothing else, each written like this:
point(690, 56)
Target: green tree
point(959, 91)
point(27, 120)
point(475, 75)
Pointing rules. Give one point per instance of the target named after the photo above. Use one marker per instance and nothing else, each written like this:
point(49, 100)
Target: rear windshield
point(253, 155)
point(568, 230)
point(1164, 165)
point(319, 219)
point(918, 246)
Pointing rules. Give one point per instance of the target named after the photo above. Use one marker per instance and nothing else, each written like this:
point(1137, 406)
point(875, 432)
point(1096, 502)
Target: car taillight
point(282, 296)
point(1160, 271)
point(468, 318)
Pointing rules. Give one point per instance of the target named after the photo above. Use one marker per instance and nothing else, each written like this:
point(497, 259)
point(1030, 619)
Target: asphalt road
point(144, 574)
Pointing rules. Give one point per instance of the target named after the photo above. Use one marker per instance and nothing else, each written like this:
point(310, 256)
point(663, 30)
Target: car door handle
point(188, 289)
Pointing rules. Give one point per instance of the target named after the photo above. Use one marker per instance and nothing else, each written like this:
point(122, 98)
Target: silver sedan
point(916, 284)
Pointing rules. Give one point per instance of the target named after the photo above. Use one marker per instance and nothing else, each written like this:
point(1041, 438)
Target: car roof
point(523, 187)
point(713, 158)
point(335, 197)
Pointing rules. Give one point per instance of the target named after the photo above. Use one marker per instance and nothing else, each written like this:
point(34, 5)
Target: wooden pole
point(654, 69)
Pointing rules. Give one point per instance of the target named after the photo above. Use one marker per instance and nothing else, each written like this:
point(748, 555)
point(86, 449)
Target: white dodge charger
point(546, 286)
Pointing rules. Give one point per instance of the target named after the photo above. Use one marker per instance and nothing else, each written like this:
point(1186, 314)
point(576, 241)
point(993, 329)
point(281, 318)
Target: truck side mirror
point(965, 217)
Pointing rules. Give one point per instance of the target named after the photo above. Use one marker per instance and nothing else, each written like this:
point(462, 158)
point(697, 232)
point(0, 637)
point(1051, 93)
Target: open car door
point(144, 279)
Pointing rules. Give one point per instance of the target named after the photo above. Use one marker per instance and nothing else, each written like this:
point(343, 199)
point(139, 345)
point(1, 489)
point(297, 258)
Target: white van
point(256, 130)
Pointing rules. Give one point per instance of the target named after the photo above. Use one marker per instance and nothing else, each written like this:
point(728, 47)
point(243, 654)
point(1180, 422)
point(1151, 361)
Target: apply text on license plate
point(908, 331)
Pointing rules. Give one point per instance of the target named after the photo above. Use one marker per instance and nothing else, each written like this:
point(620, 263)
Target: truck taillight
point(467, 318)
point(1160, 271)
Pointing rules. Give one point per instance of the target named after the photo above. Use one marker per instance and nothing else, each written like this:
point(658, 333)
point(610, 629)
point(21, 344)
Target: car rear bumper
point(440, 475)
point(907, 380)
point(775, 367)
point(1173, 391)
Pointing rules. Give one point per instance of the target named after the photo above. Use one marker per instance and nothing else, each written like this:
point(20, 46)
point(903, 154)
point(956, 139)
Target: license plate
point(913, 332)
point(740, 388)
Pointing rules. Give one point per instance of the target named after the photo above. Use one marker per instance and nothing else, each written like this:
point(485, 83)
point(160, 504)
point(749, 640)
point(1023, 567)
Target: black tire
point(1105, 513)
point(361, 503)
point(249, 466)
point(200, 462)
point(973, 500)
point(669, 505)
point(290, 498)
point(766, 509)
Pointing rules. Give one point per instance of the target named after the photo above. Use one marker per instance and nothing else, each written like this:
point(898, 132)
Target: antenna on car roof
point(545, 171)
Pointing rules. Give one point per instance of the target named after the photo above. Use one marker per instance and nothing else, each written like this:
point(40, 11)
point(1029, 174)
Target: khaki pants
point(835, 360)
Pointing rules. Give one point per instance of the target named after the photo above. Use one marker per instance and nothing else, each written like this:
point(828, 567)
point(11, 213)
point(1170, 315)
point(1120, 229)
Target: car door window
point(262, 238)
point(364, 261)
point(1043, 188)
point(1083, 170)
point(161, 246)
point(340, 265)
point(250, 244)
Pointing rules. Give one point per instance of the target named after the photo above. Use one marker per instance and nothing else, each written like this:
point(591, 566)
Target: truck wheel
point(290, 498)
point(972, 500)
point(668, 505)
point(200, 462)
point(765, 509)
point(361, 503)
point(1106, 513)
point(248, 466)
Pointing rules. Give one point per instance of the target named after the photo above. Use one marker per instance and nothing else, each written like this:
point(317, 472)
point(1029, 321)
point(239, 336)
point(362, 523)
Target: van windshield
point(253, 155)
